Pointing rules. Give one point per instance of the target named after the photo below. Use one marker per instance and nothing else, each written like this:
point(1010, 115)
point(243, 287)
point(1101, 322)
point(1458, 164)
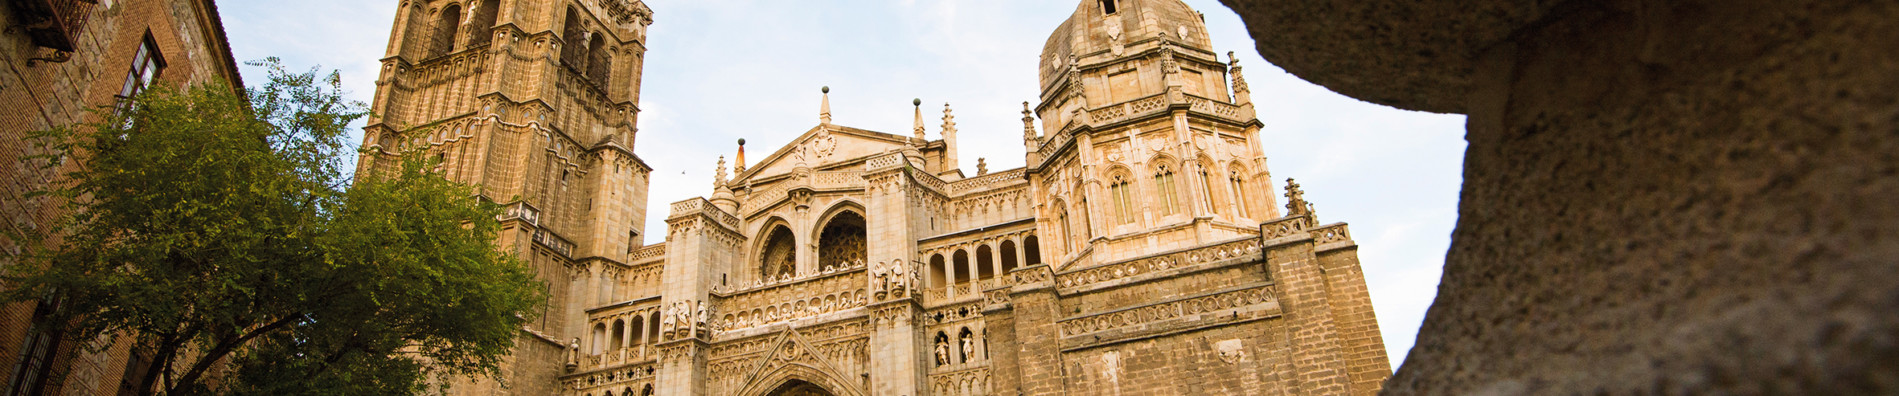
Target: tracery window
point(1164, 185)
point(1123, 202)
point(1206, 188)
point(1237, 178)
point(842, 242)
point(779, 258)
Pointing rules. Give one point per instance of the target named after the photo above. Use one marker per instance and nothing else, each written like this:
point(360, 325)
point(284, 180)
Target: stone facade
point(64, 59)
point(1140, 251)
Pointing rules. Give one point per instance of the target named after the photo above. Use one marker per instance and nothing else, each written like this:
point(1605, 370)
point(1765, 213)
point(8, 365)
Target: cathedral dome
point(1098, 25)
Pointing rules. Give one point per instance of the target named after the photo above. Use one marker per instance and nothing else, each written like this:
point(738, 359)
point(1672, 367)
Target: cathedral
point(1141, 250)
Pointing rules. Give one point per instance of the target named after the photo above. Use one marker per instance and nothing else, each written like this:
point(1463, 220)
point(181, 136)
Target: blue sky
point(719, 70)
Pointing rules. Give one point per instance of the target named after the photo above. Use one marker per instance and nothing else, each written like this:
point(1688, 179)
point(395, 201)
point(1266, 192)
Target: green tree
point(218, 232)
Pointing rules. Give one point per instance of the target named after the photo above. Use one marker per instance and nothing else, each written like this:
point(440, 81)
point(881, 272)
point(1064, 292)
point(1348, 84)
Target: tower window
point(1107, 7)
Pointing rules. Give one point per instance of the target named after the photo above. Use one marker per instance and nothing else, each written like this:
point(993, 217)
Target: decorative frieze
point(1247, 249)
point(1168, 310)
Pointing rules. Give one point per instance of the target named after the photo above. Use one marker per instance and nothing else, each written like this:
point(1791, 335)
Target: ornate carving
point(1243, 248)
point(1165, 311)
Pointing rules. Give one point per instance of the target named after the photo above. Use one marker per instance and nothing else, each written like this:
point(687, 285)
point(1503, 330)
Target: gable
point(822, 145)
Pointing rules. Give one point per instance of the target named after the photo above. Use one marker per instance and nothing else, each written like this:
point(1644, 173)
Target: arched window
point(1168, 195)
point(599, 339)
point(985, 263)
point(959, 263)
point(1123, 200)
point(1031, 251)
point(481, 24)
point(779, 257)
point(1236, 177)
point(1087, 223)
point(597, 59)
point(639, 334)
point(841, 243)
point(573, 37)
point(1206, 188)
point(1061, 220)
point(939, 273)
point(616, 339)
point(1009, 260)
point(446, 24)
point(652, 327)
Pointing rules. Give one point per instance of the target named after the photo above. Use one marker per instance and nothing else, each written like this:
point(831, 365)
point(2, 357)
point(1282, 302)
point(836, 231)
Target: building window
point(446, 26)
point(1107, 7)
point(1239, 191)
point(36, 353)
point(146, 64)
point(1164, 183)
point(1123, 203)
point(1206, 186)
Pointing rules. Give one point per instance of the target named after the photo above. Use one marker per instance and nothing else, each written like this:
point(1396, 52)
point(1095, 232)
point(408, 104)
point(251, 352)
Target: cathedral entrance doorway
point(798, 388)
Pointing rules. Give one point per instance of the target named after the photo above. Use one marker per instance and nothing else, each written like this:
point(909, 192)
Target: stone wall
point(1679, 197)
point(49, 92)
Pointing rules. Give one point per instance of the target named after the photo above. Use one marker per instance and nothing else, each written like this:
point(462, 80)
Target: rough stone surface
point(38, 91)
point(1677, 197)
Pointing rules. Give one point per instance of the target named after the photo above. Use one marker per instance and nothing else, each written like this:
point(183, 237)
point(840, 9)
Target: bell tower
point(1143, 133)
point(535, 102)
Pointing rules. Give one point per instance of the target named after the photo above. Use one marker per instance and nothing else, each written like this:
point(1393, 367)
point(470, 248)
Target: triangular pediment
point(791, 352)
point(821, 146)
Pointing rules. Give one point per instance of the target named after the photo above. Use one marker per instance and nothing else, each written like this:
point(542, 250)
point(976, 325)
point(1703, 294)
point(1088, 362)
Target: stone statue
point(896, 279)
point(574, 355)
point(704, 315)
point(969, 349)
point(666, 323)
point(877, 279)
point(942, 352)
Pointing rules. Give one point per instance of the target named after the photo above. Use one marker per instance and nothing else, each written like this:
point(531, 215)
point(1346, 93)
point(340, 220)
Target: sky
point(720, 70)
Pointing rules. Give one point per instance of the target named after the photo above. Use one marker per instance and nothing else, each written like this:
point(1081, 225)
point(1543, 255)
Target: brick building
point(64, 58)
point(1139, 251)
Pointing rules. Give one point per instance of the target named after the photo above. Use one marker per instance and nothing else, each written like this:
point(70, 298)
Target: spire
point(824, 110)
point(1241, 94)
point(918, 129)
point(1028, 122)
point(949, 120)
point(1296, 204)
point(951, 169)
point(718, 175)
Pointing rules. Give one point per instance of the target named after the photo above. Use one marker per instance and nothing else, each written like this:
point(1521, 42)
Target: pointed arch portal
point(799, 388)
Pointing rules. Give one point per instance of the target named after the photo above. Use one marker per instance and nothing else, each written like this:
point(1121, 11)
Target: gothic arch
point(776, 248)
point(482, 22)
point(447, 22)
point(775, 379)
point(841, 235)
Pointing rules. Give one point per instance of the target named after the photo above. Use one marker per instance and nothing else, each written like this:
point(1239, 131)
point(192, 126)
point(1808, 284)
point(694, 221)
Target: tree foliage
point(218, 232)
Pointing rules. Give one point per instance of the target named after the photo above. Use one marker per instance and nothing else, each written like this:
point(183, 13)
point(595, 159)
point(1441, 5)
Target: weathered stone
point(1675, 197)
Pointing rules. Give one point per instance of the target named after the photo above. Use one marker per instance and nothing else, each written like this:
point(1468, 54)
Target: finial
point(740, 167)
point(949, 120)
point(1296, 200)
point(982, 168)
point(1240, 92)
point(824, 110)
point(1028, 122)
point(917, 130)
point(718, 176)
